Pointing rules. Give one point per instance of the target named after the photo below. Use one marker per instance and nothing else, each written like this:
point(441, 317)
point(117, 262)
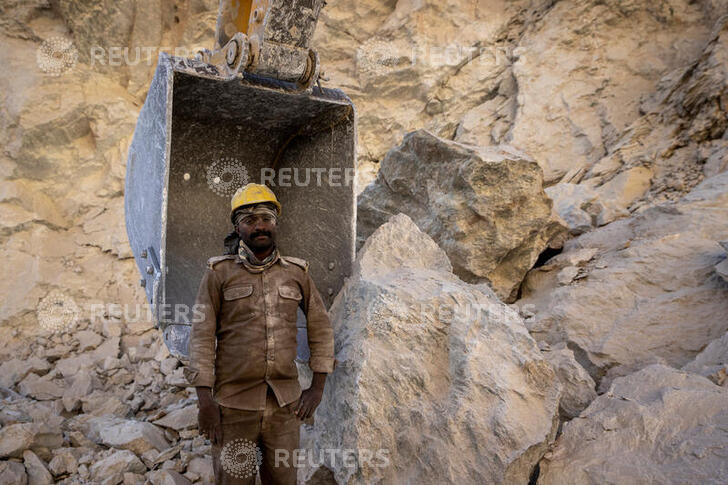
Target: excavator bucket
point(200, 136)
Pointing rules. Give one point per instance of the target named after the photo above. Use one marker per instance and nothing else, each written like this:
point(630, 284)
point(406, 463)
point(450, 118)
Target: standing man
point(242, 352)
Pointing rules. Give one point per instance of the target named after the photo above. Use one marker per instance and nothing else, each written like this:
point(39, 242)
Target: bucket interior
point(224, 134)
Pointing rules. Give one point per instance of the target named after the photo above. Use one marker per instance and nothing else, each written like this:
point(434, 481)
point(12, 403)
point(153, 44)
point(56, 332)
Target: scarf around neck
point(252, 263)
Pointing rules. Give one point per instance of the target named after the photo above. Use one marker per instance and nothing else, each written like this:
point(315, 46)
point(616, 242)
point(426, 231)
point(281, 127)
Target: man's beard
point(260, 245)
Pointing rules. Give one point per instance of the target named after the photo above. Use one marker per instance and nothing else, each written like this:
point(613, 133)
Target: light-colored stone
point(507, 71)
point(621, 192)
point(37, 472)
point(71, 365)
point(712, 362)
point(12, 473)
point(567, 275)
point(119, 461)
point(126, 434)
point(485, 207)
point(21, 436)
point(100, 403)
point(659, 425)
point(64, 461)
point(14, 370)
point(203, 468)
point(133, 479)
point(722, 267)
point(428, 368)
point(114, 479)
point(411, 65)
point(84, 382)
point(87, 340)
point(650, 295)
point(576, 204)
point(680, 138)
point(179, 419)
point(583, 69)
point(168, 365)
point(579, 387)
point(41, 388)
point(111, 328)
point(167, 477)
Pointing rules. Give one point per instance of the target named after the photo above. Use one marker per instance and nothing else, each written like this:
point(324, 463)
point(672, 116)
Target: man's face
point(258, 231)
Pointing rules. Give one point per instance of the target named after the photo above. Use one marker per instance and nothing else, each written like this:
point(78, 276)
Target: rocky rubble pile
point(99, 402)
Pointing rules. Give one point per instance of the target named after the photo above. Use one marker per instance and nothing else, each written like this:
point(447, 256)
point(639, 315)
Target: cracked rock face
point(436, 372)
point(484, 206)
point(680, 140)
point(560, 80)
point(712, 362)
point(579, 387)
point(659, 425)
point(647, 292)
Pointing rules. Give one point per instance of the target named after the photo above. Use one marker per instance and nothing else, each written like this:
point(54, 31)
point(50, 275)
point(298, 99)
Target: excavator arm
point(270, 38)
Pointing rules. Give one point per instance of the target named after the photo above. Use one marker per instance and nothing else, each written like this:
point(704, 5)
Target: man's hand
point(311, 397)
point(208, 417)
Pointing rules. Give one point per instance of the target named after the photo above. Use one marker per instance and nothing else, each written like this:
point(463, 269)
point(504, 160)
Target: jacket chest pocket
point(237, 299)
point(289, 297)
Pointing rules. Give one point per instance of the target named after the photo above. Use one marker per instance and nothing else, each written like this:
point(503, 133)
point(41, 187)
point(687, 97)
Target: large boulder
point(640, 290)
point(485, 207)
point(437, 381)
point(657, 426)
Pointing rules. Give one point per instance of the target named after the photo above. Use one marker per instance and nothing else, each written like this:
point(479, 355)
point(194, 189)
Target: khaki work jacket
point(246, 337)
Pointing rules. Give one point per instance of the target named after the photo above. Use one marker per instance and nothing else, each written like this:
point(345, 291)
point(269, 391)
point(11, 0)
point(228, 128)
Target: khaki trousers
point(253, 437)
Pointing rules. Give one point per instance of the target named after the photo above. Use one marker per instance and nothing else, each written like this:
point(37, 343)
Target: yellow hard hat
point(254, 194)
